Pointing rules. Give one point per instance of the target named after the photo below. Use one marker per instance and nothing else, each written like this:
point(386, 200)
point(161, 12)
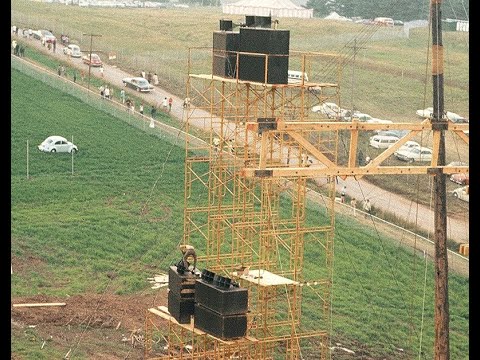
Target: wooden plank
point(39, 304)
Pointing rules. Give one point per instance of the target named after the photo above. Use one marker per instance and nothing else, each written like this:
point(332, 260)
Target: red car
point(96, 61)
point(460, 178)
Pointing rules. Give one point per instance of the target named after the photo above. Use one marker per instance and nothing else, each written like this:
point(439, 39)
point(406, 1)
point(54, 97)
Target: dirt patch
point(99, 325)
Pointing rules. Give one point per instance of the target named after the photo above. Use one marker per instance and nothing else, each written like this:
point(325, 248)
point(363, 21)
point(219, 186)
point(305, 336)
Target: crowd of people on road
point(106, 90)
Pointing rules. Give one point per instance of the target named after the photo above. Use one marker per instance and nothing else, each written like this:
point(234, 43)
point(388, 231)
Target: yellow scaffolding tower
point(245, 205)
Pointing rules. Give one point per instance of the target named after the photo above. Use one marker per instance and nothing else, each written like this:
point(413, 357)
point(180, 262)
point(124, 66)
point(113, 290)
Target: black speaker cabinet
point(265, 41)
point(249, 20)
point(252, 68)
point(224, 301)
point(181, 309)
point(263, 21)
point(226, 40)
point(225, 47)
point(226, 25)
point(223, 327)
point(182, 285)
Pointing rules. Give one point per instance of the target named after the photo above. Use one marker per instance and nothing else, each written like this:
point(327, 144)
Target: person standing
point(122, 96)
point(107, 92)
point(155, 79)
point(140, 109)
point(367, 207)
point(353, 204)
point(343, 194)
point(153, 111)
point(170, 102)
point(186, 103)
point(165, 103)
point(54, 42)
point(59, 70)
point(74, 76)
point(101, 70)
point(143, 74)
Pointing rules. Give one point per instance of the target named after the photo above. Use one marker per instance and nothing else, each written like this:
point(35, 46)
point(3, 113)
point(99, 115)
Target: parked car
point(72, 50)
point(462, 193)
point(56, 143)
point(414, 154)
point(382, 141)
point(362, 117)
point(460, 178)
point(96, 61)
point(397, 133)
point(408, 145)
point(453, 117)
point(332, 110)
point(44, 35)
point(138, 83)
point(378, 121)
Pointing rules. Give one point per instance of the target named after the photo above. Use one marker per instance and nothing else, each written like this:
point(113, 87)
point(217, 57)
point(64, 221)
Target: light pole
point(90, 57)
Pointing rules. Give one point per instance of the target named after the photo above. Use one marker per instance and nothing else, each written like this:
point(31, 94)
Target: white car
point(462, 193)
point(332, 110)
point(414, 154)
point(362, 117)
point(409, 145)
point(378, 121)
point(55, 144)
point(453, 117)
point(72, 50)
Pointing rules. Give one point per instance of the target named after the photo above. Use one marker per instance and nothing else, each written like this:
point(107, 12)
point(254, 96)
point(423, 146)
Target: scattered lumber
point(39, 304)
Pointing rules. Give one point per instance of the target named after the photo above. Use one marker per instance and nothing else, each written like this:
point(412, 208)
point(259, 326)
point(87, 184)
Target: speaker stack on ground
point(257, 37)
point(181, 295)
point(220, 307)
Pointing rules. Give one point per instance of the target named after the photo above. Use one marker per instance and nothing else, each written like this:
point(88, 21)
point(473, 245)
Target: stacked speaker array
point(256, 38)
point(220, 307)
point(181, 295)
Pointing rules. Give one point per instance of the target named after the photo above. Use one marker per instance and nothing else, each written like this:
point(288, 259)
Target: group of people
point(18, 49)
point(106, 92)
point(367, 205)
point(152, 78)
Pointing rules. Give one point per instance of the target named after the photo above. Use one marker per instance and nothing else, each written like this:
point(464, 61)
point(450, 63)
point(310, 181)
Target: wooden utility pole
point(90, 57)
point(439, 125)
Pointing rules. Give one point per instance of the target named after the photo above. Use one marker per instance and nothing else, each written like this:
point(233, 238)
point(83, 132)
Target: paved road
point(457, 229)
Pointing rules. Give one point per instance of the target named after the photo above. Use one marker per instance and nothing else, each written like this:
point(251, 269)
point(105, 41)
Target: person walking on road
point(165, 103)
point(153, 111)
point(170, 102)
point(367, 207)
point(122, 96)
point(140, 109)
point(101, 70)
point(155, 79)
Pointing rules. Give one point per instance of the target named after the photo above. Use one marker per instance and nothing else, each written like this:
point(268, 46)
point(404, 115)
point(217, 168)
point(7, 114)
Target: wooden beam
point(39, 304)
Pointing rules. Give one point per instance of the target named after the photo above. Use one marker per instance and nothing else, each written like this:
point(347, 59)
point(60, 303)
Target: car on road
point(54, 143)
point(72, 50)
point(44, 35)
point(138, 83)
point(96, 61)
point(362, 117)
point(460, 178)
point(414, 154)
point(378, 121)
point(462, 193)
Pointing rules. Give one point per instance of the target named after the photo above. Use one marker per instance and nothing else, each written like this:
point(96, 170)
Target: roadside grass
point(121, 211)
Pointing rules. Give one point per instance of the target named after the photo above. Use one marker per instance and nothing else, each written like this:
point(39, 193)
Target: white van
point(295, 77)
point(382, 141)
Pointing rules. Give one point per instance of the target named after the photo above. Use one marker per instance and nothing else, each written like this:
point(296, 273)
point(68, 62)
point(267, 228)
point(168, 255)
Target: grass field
point(121, 211)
